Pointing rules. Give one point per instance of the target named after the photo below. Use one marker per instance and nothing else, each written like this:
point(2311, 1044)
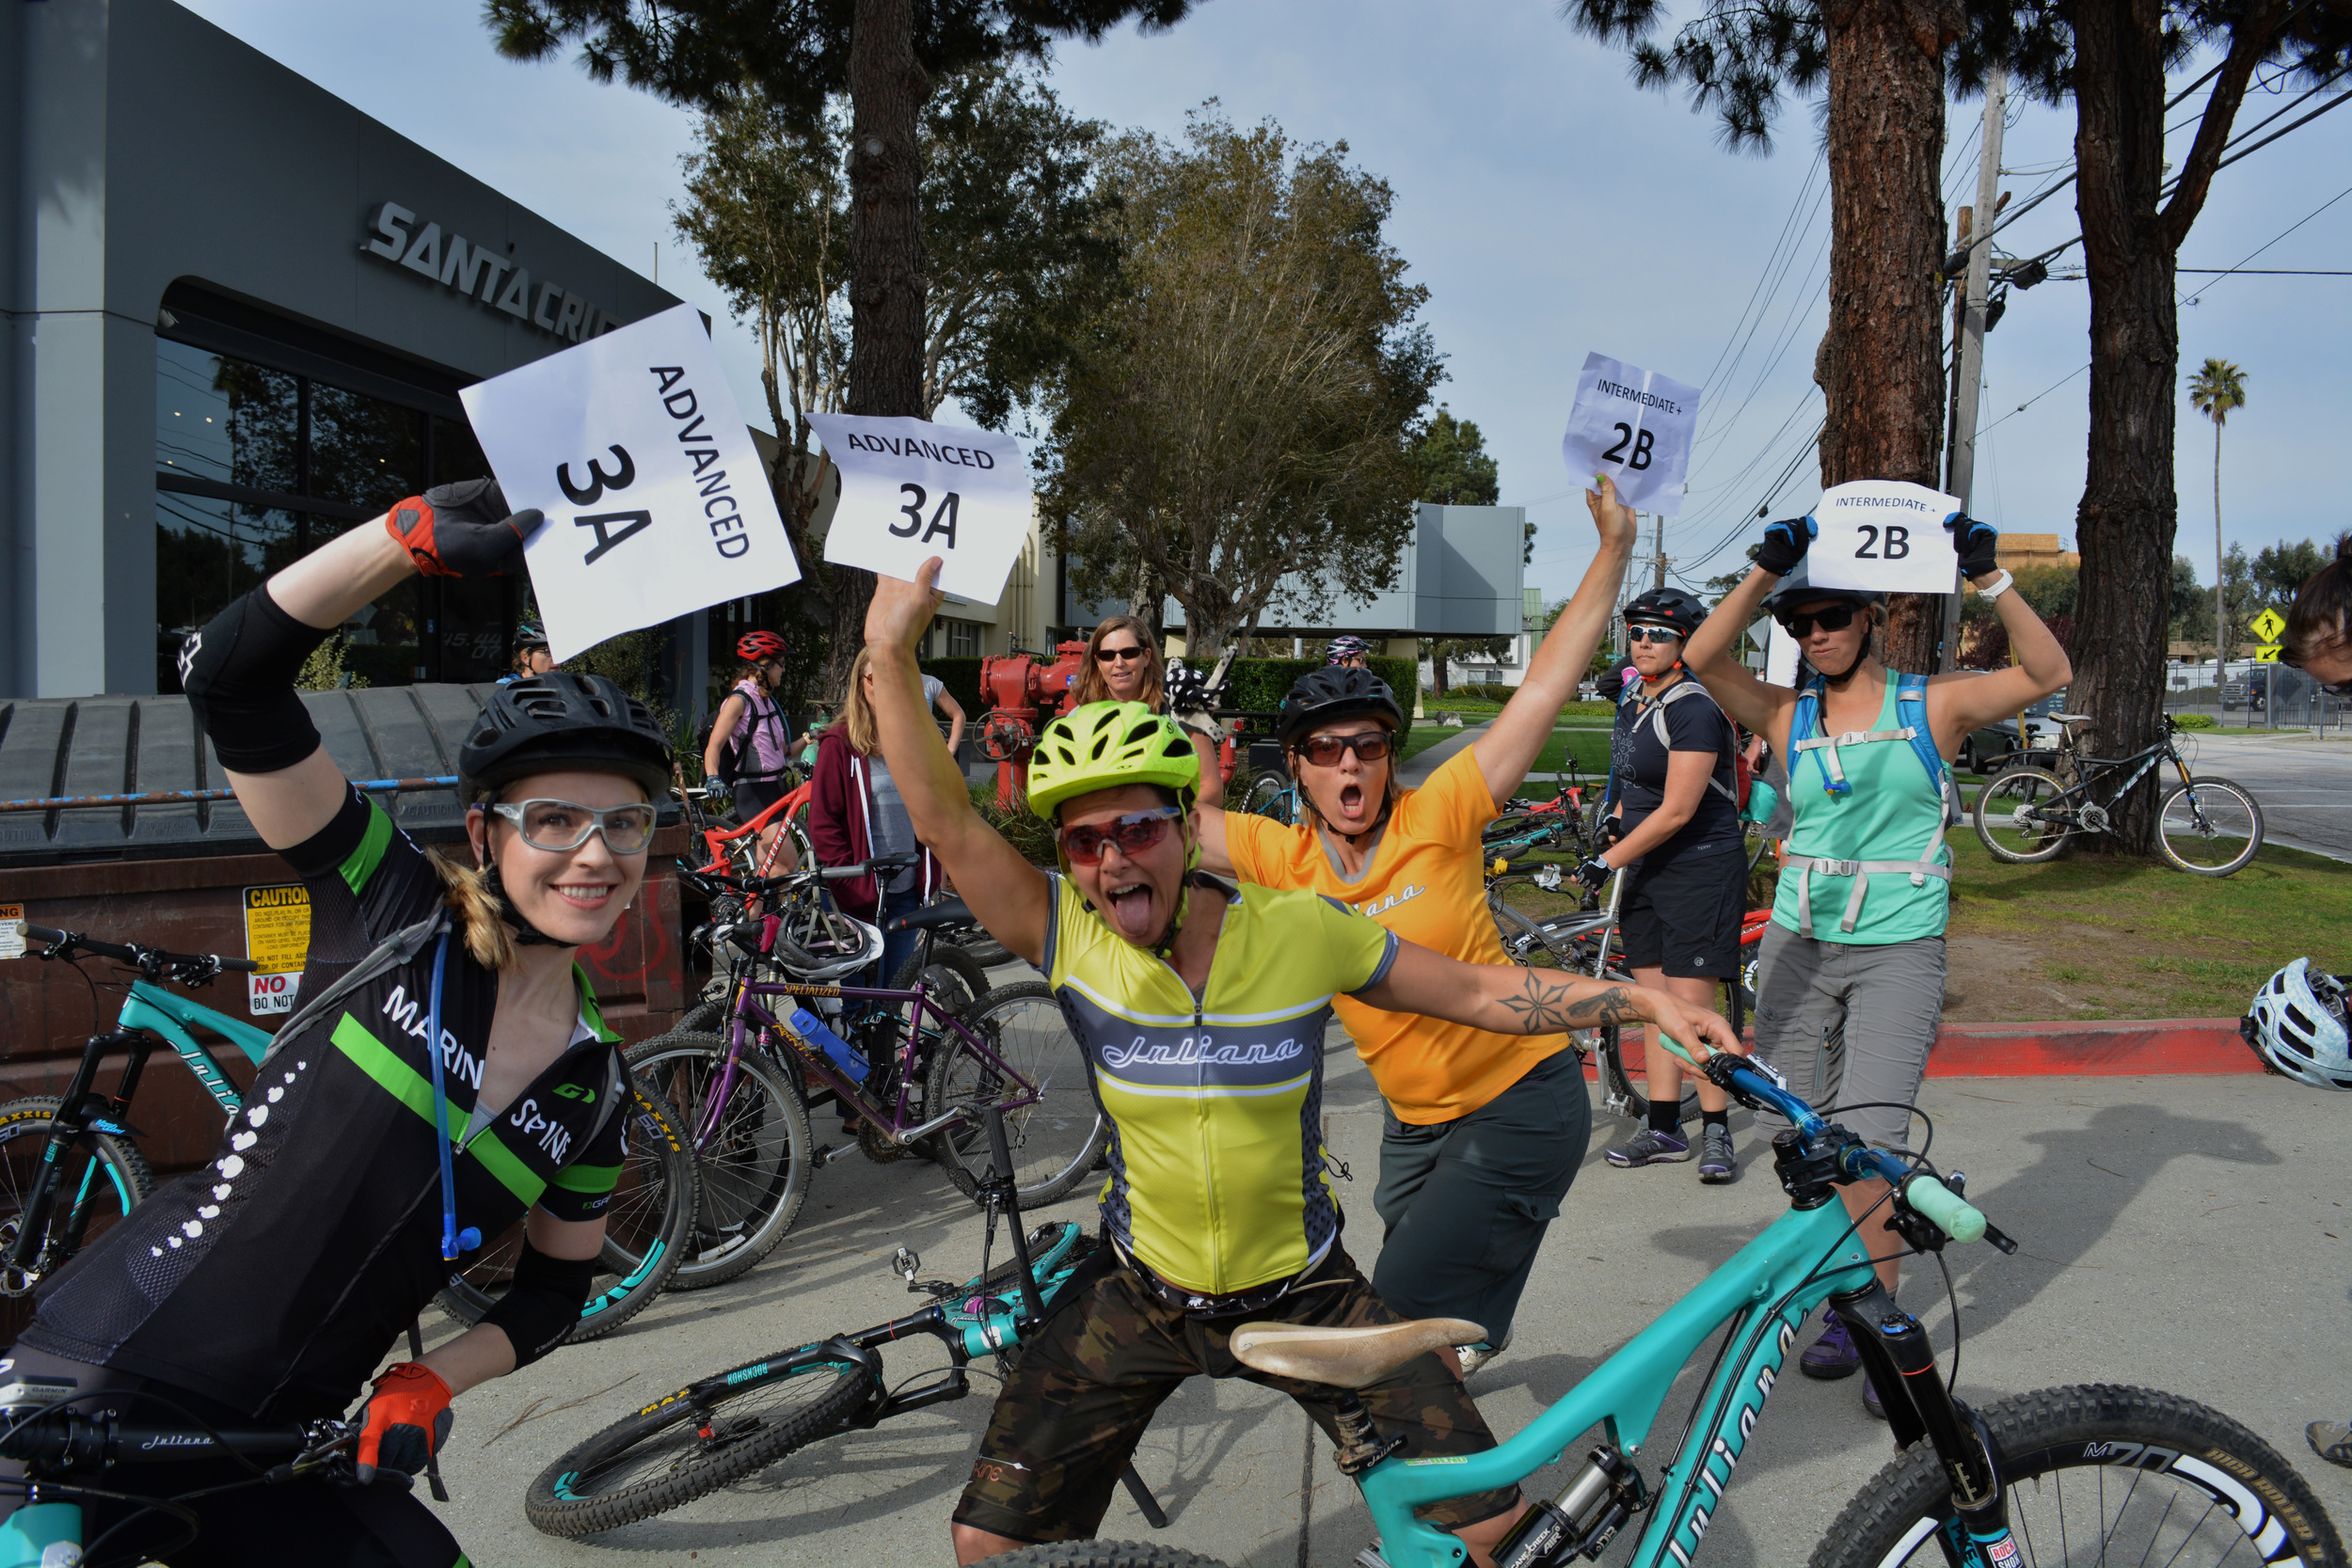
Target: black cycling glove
point(461, 530)
point(1785, 544)
point(1595, 873)
point(1977, 543)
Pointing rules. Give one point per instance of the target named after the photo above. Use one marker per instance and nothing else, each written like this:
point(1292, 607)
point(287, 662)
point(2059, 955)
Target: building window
point(963, 639)
point(255, 468)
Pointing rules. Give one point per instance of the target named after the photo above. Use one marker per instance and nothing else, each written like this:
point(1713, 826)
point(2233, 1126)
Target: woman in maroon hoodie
point(854, 812)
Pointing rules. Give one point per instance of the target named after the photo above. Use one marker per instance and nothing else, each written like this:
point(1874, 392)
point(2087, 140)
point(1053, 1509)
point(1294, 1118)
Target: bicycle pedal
point(826, 1154)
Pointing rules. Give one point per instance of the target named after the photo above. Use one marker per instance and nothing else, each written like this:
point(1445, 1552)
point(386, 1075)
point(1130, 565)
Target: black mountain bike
point(2206, 826)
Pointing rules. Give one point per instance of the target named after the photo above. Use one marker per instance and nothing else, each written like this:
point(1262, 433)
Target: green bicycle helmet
point(1105, 745)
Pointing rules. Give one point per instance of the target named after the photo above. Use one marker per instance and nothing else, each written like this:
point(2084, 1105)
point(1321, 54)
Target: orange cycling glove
point(405, 1422)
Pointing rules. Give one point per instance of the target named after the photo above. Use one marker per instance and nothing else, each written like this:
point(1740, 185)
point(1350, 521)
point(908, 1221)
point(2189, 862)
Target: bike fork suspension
point(1902, 1365)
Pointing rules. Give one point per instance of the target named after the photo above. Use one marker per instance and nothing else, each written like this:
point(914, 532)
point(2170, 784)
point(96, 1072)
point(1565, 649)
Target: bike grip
point(1959, 1219)
point(43, 933)
point(842, 873)
point(241, 966)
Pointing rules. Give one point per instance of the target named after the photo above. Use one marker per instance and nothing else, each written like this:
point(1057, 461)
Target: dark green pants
point(1467, 1202)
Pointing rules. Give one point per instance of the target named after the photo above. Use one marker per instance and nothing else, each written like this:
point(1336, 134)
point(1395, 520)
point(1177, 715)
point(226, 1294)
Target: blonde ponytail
point(467, 892)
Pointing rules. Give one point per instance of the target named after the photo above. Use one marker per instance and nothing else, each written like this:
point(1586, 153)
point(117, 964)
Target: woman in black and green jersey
point(440, 1004)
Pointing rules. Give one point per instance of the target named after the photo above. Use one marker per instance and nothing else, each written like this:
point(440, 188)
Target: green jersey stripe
point(588, 1179)
point(360, 865)
point(414, 1090)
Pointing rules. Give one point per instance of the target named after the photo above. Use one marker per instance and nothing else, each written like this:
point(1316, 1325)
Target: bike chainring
point(2090, 818)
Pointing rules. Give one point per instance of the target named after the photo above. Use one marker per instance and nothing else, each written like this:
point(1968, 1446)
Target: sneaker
point(1832, 1354)
point(1716, 1165)
point(1480, 1354)
point(1870, 1399)
point(1650, 1146)
point(2332, 1441)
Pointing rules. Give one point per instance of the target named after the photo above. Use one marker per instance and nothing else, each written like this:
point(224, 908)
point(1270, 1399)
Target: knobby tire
point(118, 1180)
point(755, 1173)
point(2137, 1502)
point(2229, 808)
point(697, 1440)
point(1994, 816)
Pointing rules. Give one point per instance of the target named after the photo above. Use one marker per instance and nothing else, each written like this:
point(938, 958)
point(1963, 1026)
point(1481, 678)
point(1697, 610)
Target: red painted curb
point(2112, 1048)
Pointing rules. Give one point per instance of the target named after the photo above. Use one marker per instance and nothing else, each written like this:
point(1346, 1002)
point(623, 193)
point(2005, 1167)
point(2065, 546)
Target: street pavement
point(2302, 784)
point(2183, 1233)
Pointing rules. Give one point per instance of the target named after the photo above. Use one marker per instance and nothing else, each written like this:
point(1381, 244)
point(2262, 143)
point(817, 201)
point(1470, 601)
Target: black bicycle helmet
point(1670, 608)
point(557, 722)
point(1336, 691)
point(528, 636)
point(1794, 591)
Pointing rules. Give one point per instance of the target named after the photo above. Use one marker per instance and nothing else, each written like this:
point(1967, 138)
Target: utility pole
point(1959, 472)
point(1659, 548)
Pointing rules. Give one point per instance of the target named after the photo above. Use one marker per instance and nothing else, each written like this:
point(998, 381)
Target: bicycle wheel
point(1269, 795)
point(755, 1169)
point(2020, 816)
point(100, 1179)
point(1625, 1085)
point(698, 1440)
point(1100, 1554)
point(956, 977)
point(1055, 1140)
point(2170, 1482)
point(647, 1227)
point(2209, 826)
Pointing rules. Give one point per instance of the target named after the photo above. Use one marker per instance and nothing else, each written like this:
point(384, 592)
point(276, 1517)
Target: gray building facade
point(238, 312)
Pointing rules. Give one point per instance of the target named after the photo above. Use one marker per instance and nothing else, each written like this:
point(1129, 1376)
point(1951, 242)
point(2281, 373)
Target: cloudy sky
point(1552, 210)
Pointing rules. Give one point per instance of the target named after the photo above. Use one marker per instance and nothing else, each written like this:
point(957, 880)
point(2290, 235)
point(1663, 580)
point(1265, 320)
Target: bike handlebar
point(1758, 1086)
point(59, 1442)
point(66, 943)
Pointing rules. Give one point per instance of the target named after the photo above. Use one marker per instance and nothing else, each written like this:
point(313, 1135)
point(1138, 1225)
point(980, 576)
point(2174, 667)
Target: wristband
point(1998, 587)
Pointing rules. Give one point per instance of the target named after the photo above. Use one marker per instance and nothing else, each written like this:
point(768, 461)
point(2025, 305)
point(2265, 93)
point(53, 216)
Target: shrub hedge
point(962, 679)
point(1256, 684)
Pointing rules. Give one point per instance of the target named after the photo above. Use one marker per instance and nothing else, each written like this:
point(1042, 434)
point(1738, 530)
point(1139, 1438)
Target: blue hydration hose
point(454, 1241)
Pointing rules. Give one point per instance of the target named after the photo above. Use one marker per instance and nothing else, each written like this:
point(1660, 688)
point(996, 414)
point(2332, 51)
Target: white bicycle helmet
point(2297, 1027)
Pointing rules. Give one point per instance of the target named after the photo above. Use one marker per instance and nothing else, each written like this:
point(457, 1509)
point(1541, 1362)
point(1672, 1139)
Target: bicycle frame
point(152, 1008)
point(813, 1060)
point(1624, 1393)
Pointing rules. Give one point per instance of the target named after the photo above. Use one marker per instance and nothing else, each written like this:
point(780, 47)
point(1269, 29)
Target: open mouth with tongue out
point(1133, 907)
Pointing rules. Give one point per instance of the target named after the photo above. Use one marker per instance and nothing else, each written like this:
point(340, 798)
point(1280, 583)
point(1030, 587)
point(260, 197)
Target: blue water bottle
point(812, 1029)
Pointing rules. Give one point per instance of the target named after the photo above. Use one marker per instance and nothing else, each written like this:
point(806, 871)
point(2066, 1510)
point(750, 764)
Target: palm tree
point(2214, 391)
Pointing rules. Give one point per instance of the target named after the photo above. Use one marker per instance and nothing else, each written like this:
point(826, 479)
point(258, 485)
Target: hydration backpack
point(1910, 708)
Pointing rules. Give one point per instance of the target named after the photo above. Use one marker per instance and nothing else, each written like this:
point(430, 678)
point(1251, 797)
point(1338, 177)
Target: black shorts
point(753, 796)
point(1684, 916)
point(1076, 1403)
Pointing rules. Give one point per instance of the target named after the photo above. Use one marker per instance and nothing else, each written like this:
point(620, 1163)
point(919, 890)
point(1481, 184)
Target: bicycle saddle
point(947, 911)
point(2072, 718)
point(1345, 1357)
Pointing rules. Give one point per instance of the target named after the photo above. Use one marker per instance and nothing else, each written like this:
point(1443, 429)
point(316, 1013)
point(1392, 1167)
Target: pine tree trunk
point(887, 87)
point(2125, 522)
point(1881, 366)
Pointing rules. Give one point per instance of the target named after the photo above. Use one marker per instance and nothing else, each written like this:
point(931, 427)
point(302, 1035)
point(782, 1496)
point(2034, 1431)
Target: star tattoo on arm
point(1543, 1008)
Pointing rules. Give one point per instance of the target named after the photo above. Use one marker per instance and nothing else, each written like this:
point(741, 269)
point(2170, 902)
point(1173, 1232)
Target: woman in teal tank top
point(1855, 949)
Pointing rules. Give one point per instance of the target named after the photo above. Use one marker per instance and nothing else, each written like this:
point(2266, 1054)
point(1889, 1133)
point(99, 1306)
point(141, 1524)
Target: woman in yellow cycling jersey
point(1485, 1130)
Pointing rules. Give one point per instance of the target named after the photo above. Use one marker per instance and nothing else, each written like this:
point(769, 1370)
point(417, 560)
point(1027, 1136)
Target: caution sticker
point(11, 930)
point(278, 937)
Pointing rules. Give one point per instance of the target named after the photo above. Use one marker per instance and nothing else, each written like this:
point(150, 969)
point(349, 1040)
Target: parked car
point(1995, 745)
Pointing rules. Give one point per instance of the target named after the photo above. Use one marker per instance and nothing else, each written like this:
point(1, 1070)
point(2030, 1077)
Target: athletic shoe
point(1870, 1399)
point(1480, 1354)
point(2332, 1441)
point(1650, 1146)
point(1715, 1162)
point(1832, 1354)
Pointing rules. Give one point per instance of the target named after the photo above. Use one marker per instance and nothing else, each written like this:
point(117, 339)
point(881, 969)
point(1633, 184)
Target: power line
point(2289, 230)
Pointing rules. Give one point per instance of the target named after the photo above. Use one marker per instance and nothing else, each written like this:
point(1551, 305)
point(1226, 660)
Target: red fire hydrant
point(1023, 695)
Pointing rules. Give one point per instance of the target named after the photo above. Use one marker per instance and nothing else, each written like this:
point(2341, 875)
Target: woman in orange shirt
point(1485, 1132)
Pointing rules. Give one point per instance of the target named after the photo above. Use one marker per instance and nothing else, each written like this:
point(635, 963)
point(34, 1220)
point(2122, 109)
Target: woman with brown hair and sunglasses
point(1485, 1130)
point(1123, 665)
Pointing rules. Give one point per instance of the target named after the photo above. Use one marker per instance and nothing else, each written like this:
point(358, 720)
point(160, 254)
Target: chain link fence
point(2243, 694)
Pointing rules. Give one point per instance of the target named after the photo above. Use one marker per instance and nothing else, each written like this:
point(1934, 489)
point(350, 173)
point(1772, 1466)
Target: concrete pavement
point(2184, 1233)
point(2303, 783)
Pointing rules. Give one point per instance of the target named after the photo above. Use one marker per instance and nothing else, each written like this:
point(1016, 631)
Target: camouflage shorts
point(1076, 1402)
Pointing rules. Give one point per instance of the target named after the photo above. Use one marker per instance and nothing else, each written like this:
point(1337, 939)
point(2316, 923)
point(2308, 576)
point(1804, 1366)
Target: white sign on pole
point(656, 499)
point(1886, 535)
point(911, 490)
point(1635, 426)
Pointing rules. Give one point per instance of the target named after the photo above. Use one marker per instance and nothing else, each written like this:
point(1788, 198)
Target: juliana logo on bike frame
point(1732, 1440)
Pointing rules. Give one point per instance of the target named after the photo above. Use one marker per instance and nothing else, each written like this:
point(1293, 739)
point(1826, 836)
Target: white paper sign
point(657, 502)
point(911, 490)
point(1780, 656)
point(1883, 535)
point(1635, 426)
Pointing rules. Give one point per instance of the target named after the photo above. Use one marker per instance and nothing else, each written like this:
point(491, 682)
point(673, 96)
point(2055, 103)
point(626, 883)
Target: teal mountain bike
point(69, 1169)
point(2076, 1475)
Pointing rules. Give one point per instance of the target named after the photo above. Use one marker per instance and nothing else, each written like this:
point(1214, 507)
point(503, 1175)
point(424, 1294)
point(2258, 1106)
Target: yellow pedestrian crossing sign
point(2268, 653)
point(2268, 625)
